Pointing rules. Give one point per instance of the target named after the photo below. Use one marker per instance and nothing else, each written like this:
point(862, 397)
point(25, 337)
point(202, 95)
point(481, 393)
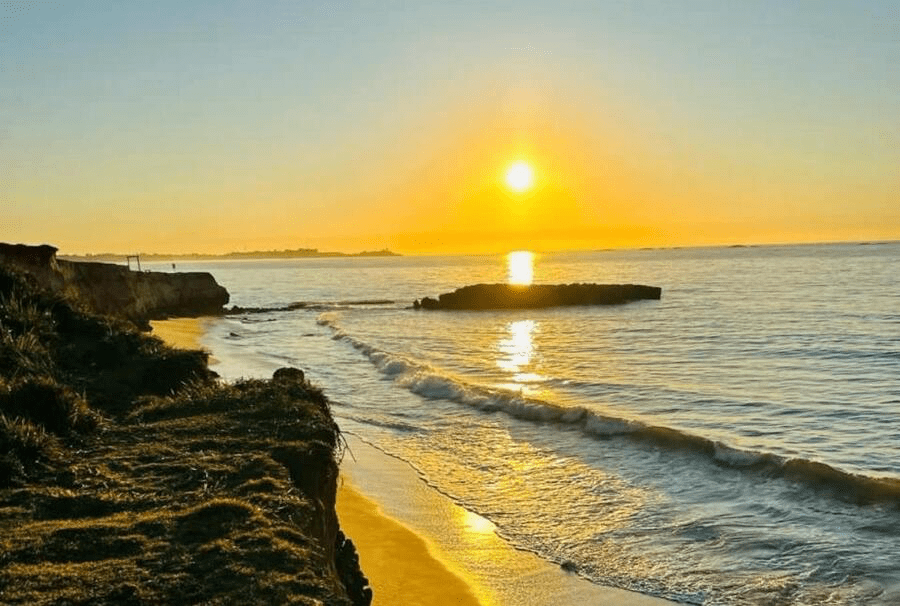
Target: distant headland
point(297, 253)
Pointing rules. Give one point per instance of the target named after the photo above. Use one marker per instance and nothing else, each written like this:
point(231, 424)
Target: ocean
point(736, 442)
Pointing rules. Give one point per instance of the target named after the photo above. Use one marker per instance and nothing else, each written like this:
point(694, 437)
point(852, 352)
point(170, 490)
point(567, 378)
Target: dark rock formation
point(116, 290)
point(355, 582)
point(238, 310)
point(509, 296)
point(287, 375)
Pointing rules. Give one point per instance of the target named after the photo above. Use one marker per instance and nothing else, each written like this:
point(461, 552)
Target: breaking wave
point(434, 384)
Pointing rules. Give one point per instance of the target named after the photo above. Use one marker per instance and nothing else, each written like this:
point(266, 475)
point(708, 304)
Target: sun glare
point(521, 267)
point(519, 177)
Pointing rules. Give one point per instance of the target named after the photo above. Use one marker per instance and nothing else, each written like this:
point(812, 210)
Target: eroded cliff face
point(129, 475)
point(110, 289)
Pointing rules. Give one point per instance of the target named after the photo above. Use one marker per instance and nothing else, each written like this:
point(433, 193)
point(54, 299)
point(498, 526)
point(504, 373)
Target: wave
point(433, 384)
point(396, 426)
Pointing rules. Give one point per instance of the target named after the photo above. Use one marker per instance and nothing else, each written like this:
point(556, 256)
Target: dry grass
point(129, 476)
point(193, 509)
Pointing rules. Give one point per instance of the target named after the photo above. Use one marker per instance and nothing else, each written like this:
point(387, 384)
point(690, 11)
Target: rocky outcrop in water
point(108, 289)
point(510, 296)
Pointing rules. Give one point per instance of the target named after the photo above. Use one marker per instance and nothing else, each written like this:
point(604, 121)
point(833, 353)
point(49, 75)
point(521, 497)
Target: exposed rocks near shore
point(129, 475)
point(138, 296)
point(510, 296)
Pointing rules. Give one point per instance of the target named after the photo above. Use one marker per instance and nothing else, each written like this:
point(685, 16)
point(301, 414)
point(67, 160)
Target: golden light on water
point(518, 347)
point(519, 177)
point(521, 267)
point(517, 357)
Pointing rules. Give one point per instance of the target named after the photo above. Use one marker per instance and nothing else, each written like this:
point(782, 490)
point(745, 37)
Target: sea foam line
point(433, 384)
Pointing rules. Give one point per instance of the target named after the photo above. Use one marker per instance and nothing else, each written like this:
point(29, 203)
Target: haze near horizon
point(229, 126)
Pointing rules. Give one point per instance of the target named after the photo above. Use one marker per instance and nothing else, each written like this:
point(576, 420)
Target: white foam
point(434, 384)
point(736, 457)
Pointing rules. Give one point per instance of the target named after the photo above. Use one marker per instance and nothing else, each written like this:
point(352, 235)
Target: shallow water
point(735, 442)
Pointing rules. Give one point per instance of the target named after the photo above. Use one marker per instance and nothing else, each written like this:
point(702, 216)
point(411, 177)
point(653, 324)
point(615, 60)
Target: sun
point(519, 177)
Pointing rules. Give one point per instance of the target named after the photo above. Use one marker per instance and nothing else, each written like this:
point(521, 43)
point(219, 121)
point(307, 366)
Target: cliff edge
point(129, 475)
point(138, 296)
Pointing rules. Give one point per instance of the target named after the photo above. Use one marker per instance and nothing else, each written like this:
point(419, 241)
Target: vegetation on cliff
point(129, 475)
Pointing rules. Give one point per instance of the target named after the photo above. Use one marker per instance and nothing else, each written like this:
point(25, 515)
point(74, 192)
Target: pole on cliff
point(137, 258)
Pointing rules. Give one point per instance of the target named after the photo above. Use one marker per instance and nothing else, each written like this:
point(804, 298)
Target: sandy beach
point(181, 332)
point(418, 547)
point(458, 540)
point(399, 563)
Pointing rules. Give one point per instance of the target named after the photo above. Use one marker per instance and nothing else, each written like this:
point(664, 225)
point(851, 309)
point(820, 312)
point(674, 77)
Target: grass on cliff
point(62, 370)
point(128, 475)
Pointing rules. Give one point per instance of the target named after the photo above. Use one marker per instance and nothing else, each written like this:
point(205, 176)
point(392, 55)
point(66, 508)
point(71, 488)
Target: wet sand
point(397, 562)
point(417, 547)
point(461, 541)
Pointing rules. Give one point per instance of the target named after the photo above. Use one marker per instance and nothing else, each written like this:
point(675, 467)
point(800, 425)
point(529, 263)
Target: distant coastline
point(298, 253)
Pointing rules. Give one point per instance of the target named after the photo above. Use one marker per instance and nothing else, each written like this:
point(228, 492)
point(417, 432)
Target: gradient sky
point(216, 126)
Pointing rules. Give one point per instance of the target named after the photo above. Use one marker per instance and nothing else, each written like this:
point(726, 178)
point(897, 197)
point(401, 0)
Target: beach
point(418, 547)
point(460, 546)
point(398, 563)
point(631, 445)
point(181, 332)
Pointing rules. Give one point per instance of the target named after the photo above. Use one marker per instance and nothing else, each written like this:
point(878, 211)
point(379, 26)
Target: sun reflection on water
point(521, 267)
point(518, 347)
point(518, 354)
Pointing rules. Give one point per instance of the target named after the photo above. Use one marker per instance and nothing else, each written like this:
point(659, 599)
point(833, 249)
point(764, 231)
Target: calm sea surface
point(736, 442)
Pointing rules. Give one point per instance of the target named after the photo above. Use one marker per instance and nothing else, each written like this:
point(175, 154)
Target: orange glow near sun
point(519, 177)
point(521, 267)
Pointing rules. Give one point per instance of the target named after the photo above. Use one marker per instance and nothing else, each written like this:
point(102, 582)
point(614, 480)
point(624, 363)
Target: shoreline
point(399, 563)
point(184, 333)
point(497, 573)
point(417, 546)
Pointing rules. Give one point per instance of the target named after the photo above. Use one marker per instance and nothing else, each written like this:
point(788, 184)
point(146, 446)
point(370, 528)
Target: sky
point(217, 126)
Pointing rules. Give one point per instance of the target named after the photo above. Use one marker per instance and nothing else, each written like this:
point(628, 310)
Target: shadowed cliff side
point(509, 296)
point(116, 290)
point(129, 475)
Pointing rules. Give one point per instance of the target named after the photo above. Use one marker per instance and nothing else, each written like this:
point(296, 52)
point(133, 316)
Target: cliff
point(115, 289)
point(129, 475)
point(508, 296)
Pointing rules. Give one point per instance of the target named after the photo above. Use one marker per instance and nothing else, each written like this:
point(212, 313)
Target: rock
point(507, 296)
point(355, 582)
point(288, 374)
point(569, 566)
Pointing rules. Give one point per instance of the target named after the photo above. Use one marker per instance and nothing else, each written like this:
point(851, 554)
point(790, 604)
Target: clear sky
point(212, 126)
